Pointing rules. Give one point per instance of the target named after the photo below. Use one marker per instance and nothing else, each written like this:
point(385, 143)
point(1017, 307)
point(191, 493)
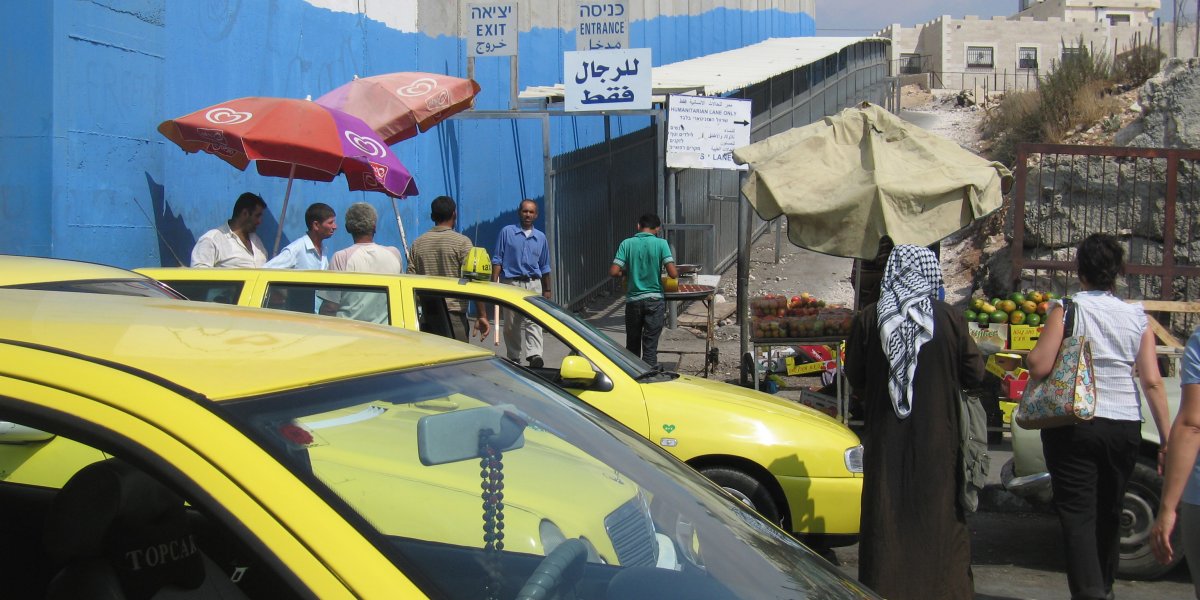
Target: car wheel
point(1138, 511)
point(746, 488)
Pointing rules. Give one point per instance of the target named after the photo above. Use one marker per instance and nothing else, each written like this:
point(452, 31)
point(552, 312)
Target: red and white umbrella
point(399, 105)
point(297, 139)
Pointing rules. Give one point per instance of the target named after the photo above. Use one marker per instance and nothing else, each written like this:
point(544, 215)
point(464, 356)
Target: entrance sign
point(491, 28)
point(702, 131)
point(601, 25)
point(607, 79)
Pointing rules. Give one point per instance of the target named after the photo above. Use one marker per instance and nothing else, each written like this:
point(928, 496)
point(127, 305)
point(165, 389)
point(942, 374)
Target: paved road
point(1017, 554)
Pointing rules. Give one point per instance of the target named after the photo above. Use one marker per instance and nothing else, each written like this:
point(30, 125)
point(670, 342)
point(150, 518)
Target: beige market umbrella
point(849, 179)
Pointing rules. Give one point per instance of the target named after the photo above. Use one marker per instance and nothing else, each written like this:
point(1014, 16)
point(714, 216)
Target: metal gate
point(1148, 197)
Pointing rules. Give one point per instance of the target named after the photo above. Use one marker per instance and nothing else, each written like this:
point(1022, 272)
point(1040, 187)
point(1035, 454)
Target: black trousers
point(1090, 464)
point(643, 324)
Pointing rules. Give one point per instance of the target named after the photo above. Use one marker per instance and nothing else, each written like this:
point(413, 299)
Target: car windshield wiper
point(652, 372)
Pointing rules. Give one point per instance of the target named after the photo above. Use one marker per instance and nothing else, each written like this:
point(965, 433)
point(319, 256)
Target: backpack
point(975, 461)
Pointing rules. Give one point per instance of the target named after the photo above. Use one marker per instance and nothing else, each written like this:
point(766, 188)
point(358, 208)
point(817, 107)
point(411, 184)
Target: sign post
point(702, 131)
point(607, 80)
point(492, 31)
point(601, 24)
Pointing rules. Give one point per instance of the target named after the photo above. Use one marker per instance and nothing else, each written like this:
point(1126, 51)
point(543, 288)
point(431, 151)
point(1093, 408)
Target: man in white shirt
point(234, 244)
point(365, 256)
point(307, 252)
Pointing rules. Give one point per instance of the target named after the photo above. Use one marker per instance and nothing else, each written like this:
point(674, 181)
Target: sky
point(864, 17)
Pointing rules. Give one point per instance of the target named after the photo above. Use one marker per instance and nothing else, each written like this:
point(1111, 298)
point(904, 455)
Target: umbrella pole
point(403, 238)
point(283, 213)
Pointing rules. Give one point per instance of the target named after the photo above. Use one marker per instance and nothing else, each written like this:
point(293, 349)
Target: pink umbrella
point(398, 105)
point(294, 139)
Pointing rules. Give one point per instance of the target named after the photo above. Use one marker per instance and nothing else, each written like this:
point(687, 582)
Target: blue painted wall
point(86, 175)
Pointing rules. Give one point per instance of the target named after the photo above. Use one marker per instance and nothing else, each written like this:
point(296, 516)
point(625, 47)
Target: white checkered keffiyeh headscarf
point(910, 283)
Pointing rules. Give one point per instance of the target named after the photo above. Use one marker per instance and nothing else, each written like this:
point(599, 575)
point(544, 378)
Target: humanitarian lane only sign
point(607, 79)
point(491, 28)
point(702, 131)
point(601, 25)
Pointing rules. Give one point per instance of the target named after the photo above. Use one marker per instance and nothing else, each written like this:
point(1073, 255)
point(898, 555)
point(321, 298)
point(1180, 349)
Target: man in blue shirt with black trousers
point(522, 258)
point(641, 259)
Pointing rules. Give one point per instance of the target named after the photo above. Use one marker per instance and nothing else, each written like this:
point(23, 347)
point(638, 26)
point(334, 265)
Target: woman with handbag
point(1090, 461)
point(908, 356)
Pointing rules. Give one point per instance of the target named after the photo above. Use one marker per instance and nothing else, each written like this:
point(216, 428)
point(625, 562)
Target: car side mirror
point(12, 433)
point(576, 373)
point(457, 436)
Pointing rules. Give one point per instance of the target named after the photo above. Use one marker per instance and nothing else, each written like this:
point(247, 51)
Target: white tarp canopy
point(849, 179)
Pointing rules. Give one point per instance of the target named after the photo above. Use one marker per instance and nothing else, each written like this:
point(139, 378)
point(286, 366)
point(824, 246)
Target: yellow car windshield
point(478, 475)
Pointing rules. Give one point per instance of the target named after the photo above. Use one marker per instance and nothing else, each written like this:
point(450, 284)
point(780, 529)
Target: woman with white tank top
point(1090, 462)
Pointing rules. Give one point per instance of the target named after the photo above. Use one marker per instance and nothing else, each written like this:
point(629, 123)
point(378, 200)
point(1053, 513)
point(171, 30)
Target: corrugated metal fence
point(602, 189)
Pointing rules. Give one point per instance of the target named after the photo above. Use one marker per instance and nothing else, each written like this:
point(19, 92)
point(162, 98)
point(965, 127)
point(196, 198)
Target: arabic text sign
point(492, 29)
point(601, 25)
point(702, 131)
point(607, 79)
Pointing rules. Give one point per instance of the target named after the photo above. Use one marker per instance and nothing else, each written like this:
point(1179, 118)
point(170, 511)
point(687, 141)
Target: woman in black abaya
point(907, 357)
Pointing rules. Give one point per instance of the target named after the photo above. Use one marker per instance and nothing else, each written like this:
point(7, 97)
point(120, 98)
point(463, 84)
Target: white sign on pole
point(607, 79)
point(492, 29)
point(702, 131)
point(601, 25)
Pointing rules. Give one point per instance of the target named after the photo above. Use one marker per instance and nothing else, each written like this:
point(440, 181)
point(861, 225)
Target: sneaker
point(535, 362)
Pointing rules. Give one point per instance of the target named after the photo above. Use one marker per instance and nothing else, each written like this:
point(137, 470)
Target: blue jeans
point(643, 325)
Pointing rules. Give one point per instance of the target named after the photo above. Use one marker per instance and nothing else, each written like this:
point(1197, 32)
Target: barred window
point(1069, 52)
point(910, 64)
point(980, 57)
point(1027, 58)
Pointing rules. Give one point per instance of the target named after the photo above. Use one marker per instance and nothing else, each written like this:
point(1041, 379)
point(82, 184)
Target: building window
point(1069, 52)
point(1027, 57)
point(1118, 19)
point(910, 64)
point(980, 57)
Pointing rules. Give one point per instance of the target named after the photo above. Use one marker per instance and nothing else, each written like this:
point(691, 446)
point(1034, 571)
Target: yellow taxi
point(56, 274)
point(157, 446)
point(797, 467)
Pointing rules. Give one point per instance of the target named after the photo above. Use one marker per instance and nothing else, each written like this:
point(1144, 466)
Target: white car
point(1025, 475)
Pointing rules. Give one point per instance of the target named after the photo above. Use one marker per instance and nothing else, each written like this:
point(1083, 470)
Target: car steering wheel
point(561, 568)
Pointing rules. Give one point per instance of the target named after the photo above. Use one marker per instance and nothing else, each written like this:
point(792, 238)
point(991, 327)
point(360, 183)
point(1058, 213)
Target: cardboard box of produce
point(1023, 337)
point(994, 335)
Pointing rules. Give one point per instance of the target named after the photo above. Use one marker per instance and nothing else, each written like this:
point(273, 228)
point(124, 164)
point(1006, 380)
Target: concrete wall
point(87, 176)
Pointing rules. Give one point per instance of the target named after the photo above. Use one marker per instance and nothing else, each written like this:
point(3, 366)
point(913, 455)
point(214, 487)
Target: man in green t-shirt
point(641, 259)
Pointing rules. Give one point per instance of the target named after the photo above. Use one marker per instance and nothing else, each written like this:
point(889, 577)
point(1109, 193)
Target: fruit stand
point(674, 291)
point(799, 321)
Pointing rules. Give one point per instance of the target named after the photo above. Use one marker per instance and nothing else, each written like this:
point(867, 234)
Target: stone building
point(1011, 52)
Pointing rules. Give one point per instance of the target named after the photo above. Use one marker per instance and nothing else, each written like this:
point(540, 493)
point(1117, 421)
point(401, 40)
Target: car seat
point(119, 534)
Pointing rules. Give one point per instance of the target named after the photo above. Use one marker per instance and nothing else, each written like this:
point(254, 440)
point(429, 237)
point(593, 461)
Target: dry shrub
point(1073, 95)
point(1138, 64)
point(1094, 103)
point(1017, 119)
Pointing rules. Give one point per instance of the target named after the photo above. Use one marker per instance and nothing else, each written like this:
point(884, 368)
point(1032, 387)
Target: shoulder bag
point(974, 460)
point(1068, 394)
